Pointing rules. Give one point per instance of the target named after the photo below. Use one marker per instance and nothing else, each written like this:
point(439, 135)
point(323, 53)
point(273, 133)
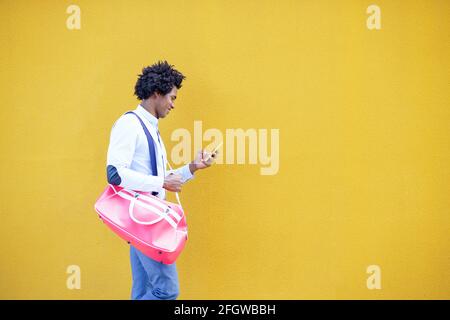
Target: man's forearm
point(134, 180)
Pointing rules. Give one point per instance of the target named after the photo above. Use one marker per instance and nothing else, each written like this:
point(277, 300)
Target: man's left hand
point(204, 159)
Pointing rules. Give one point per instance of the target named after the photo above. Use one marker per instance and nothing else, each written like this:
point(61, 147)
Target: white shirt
point(129, 157)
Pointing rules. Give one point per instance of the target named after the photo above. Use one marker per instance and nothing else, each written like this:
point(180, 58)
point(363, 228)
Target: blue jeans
point(152, 280)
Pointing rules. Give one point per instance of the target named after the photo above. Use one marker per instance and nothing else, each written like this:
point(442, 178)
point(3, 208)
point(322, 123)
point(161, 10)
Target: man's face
point(165, 103)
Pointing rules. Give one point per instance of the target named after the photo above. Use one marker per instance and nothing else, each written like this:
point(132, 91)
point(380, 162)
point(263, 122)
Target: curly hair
point(160, 77)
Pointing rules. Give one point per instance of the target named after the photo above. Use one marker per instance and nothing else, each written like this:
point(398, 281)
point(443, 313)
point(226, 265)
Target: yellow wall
point(364, 175)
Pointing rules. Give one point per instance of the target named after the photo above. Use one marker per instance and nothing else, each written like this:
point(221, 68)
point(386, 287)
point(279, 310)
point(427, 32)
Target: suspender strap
point(151, 148)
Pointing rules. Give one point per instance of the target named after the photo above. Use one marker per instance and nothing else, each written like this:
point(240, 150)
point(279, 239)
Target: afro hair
point(160, 77)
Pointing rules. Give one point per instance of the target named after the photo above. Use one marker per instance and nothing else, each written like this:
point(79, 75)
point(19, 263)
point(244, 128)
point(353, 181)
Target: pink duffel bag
point(154, 226)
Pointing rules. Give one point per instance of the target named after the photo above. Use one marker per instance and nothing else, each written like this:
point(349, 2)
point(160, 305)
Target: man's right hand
point(173, 182)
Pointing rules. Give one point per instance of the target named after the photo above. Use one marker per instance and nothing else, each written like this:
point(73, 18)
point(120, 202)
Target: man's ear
point(154, 95)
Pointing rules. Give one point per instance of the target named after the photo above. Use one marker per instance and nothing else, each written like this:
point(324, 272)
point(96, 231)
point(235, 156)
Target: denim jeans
point(152, 280)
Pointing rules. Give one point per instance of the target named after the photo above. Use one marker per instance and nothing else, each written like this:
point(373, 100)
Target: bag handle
point(133, 217)
point(163, 214)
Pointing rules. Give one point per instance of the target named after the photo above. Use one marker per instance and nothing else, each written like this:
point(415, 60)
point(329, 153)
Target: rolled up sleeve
point(184, 172)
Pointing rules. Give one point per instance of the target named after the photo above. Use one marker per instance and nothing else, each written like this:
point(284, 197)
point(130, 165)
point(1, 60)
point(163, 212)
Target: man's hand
point(173, 182)
point(203, 160)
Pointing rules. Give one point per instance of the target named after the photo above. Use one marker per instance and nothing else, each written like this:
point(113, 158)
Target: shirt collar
point(147, 115)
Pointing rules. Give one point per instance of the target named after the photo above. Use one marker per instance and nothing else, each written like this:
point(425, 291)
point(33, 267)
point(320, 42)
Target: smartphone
point(215, 149)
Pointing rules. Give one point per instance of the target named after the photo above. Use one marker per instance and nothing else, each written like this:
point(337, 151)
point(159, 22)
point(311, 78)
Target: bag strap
point(151, 148)
point(151, 145)
point(176, 193)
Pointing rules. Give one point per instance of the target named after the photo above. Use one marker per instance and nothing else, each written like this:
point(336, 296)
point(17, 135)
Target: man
point(129, 166)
